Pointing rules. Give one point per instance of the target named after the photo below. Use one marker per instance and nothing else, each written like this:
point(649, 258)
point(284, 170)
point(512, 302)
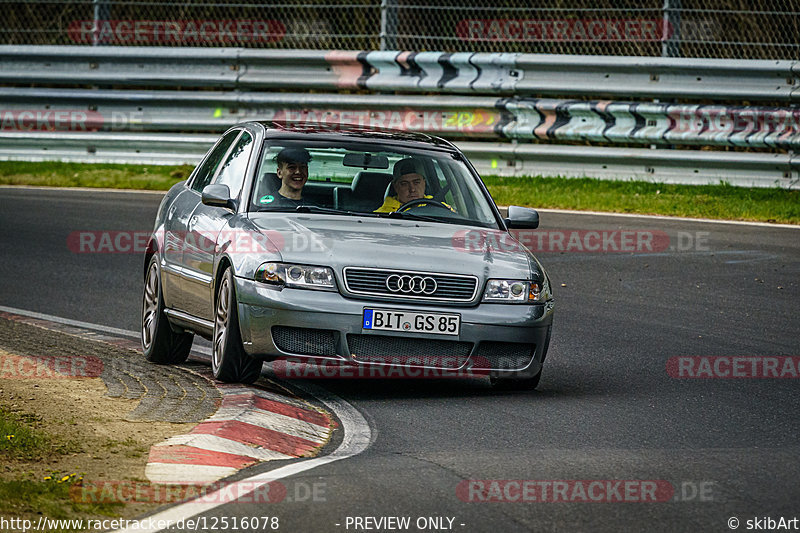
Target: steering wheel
point(419, 201)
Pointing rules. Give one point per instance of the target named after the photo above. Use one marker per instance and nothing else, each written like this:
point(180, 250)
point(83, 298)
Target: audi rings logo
point(411, 284)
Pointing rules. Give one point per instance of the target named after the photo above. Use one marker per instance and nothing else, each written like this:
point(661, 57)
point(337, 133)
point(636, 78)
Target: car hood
point(341, 241)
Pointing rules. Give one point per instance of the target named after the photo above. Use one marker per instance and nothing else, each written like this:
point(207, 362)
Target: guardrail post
point(102, 12)
point(671, 46)
point(388, 24)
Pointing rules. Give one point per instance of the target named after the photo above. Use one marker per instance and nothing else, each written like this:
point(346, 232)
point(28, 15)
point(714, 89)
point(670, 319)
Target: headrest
point(370, 184)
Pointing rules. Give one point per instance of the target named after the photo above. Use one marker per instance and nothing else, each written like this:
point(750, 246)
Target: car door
point(204, 226)
point(176, 219)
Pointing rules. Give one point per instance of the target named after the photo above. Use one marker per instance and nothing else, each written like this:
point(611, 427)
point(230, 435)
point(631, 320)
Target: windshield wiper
point(330, 211)
point(410, 216)
point(459, 221)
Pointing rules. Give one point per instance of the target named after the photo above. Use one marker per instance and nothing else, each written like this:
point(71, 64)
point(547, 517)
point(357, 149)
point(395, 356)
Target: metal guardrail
point(476, 117)
point(480, 97)
point(105, 147)
point(472, 73)
point(503, 159)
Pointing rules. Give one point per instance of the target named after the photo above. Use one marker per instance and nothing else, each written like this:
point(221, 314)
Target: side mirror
point(218, 195)
point(522, 218)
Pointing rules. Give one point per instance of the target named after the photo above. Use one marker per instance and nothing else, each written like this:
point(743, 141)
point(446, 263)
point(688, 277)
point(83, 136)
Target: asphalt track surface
point(606, 408)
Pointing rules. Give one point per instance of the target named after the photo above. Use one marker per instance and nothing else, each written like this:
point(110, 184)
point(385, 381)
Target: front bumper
point(261, 308)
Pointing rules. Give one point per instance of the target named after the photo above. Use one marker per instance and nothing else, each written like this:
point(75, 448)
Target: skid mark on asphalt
point(240, 426)
point(165, 393)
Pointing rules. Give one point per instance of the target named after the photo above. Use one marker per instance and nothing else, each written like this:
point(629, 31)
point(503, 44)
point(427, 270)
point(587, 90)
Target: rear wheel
point(229, 362)
point(159, 343)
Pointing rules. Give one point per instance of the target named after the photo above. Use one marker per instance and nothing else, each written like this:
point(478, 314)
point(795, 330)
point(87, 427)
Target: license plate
point(412, 322)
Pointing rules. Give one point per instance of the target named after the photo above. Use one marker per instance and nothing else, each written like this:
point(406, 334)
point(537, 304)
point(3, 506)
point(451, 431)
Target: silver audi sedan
point(353, 246)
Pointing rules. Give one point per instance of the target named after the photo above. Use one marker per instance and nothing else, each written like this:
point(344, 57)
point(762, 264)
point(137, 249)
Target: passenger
point(408, 184)
point(293, 172)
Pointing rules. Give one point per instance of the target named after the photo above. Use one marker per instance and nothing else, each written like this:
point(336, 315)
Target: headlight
point(513, 291)
point(296, 276)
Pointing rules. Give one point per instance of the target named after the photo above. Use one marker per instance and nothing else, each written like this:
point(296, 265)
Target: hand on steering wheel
point(420, 201)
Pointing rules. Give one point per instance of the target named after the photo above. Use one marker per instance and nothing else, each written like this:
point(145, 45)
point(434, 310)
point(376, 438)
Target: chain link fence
point(738, 29)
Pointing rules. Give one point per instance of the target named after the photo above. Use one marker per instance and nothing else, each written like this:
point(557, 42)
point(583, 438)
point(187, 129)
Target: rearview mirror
point(522, 218)
point(218, 195)
point(365, 160)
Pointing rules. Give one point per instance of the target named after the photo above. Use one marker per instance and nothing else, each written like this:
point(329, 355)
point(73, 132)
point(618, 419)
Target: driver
point(408, 184)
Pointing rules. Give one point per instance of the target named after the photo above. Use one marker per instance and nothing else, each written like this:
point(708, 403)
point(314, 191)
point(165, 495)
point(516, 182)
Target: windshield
point(365, 179)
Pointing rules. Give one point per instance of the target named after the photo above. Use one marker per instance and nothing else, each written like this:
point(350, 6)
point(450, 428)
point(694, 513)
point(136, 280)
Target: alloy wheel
point(150, 307)
point(221, 322)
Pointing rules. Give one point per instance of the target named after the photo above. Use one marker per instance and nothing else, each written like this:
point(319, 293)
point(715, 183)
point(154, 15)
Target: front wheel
point(159, 343)
point(229, 362)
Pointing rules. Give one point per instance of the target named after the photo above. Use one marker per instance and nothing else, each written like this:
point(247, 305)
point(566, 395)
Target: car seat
point(365, 192)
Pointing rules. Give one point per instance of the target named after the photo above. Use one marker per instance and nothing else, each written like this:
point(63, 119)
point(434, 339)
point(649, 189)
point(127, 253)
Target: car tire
point(160, 344)
point(229, 362)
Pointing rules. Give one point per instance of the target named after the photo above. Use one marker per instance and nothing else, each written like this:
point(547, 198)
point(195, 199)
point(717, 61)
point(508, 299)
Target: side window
point(209, 167)
point(234, 168)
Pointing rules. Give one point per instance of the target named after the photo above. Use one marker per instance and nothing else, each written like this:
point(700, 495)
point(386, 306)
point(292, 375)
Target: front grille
point(503, 355)
point(305, 341)
point(408, 351)
point(449, 287)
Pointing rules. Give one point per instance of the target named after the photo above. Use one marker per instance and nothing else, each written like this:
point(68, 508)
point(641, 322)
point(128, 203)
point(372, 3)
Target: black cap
point(406, 166)
point(293, 155)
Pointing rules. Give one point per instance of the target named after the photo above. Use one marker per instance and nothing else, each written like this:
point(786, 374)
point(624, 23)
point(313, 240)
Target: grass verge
point(586, 194)
point(23, 440)
point(112, 176)
point(696, 201)
point(54, 498)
